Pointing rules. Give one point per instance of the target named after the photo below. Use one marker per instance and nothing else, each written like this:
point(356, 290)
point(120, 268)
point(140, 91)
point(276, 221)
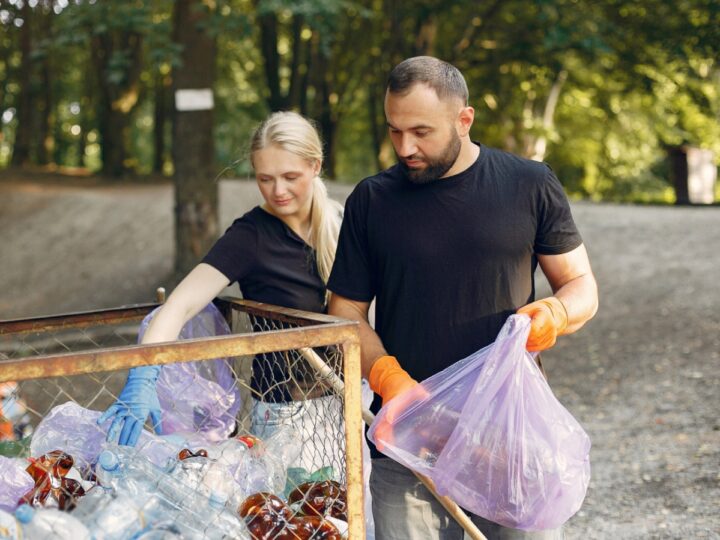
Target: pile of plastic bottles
point(168, 488)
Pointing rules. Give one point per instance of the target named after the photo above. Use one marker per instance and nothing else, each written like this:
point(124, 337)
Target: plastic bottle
point(187, 476)
point(114, 519)
point(9, 527)
point(181, 496)
point(50, 524)
point(260, 471)
point(107, 470)
point(325, 498)
point(285, 443)
point(265, 515)
point(208, 518)
point(95, 498)
point(230, 453)
point(114, 516)
point(127, 472)
point(162, 531)
point(124, 469)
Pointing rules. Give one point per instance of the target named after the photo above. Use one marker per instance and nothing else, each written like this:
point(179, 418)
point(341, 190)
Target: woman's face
point(285, 181)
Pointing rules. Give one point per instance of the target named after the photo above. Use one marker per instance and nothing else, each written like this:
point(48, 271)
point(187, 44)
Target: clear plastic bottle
point(124, 470)
point(208, 518)
point(9, 527)
point(116, 519)
point(162, 531)
point(117, 474)
point(286, 444)
point(108, 471)
point(230, 453)
point(260, 470)
point(50, 524)
point(136, 489)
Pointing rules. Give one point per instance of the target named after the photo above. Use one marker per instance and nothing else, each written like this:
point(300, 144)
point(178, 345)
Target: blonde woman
point(279, 253)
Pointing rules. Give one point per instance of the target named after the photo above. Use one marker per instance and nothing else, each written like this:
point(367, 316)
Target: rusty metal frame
point(313, 330)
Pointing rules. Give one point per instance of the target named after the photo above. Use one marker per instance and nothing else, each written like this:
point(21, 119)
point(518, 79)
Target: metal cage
point(82, 358)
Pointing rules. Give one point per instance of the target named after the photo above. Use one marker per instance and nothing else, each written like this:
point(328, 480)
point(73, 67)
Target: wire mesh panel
point(260, 438)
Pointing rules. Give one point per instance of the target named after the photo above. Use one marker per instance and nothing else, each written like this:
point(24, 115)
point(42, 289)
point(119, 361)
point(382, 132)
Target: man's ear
point(465, 120)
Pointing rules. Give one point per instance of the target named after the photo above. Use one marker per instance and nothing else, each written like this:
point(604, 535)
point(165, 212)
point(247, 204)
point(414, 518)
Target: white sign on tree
point(199, 99)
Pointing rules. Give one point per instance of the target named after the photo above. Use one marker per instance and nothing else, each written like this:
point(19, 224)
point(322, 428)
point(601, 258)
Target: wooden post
point(160, 295)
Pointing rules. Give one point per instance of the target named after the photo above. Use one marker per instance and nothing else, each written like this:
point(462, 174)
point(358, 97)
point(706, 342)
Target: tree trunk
point(86, 117)
point(376, 133)
point(293, 99)
point(677, 156)
point(113, 127)
point(23, 133)
point(268, 48)
point(162, 82)
point(46, 110)
point(196, 214)
point(537, 147)
point(116, 100)
point(322, 109)
point(425, 36)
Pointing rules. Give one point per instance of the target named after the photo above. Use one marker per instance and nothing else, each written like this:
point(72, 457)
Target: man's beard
point(437, 167)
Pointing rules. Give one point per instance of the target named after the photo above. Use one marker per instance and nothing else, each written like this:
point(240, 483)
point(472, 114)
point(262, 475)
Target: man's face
point(423, 132)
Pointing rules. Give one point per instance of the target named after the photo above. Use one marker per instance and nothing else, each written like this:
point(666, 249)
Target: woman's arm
point(193, 293)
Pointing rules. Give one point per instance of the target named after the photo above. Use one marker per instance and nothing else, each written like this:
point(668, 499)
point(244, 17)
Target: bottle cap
point(248, 440)
point(108, 461)
point(24, 513)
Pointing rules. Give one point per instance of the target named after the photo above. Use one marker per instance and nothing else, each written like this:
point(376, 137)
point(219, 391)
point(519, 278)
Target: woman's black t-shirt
point(273, 265)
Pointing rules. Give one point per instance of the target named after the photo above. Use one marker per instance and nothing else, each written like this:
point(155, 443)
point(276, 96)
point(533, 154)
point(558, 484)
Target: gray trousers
point(404, 509)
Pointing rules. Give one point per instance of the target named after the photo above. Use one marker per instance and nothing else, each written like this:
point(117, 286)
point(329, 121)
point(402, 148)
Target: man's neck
point(469, 152)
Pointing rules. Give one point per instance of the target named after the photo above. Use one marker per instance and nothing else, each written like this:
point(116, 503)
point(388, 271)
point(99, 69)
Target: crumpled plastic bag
point(74, 430)
point(492, 436)
point(15, 482)
point(198, 396)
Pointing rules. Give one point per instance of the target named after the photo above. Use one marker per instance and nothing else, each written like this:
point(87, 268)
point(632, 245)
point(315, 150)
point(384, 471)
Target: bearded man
point(447, 242)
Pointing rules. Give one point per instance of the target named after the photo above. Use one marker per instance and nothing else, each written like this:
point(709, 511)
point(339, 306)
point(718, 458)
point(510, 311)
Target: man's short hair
point(444, 78)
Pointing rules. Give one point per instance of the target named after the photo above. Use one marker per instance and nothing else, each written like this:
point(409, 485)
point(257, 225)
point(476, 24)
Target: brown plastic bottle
point(51, 486)
point(268, 517)
point(325, 498)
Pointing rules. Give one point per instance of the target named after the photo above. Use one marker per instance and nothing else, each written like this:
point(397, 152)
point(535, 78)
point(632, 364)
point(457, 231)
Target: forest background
point(98, 172)
point(606, 92)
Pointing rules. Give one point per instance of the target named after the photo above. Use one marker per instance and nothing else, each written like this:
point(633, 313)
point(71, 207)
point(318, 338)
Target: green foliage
point(599, 89)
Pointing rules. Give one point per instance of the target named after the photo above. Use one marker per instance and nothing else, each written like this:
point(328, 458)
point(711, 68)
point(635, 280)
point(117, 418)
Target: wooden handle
point(451, 506)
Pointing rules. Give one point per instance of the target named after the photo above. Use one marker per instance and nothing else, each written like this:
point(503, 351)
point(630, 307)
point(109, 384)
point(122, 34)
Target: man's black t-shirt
point(449, 261)
point(273, 265)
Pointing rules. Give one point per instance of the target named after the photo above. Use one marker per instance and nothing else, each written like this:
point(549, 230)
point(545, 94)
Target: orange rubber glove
point(548, 320)
point(389, 380)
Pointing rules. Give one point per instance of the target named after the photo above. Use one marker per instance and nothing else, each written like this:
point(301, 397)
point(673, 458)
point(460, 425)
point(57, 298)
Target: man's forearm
point(580, 298)
point(370, 344)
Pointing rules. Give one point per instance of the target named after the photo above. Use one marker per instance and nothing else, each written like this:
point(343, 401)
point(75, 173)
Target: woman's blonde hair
point(295, 133)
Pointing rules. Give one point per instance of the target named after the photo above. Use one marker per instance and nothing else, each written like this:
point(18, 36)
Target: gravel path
point(642, 377)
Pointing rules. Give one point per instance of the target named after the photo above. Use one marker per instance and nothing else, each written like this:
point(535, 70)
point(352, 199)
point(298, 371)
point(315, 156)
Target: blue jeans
point(319, 425)
point(403, 509)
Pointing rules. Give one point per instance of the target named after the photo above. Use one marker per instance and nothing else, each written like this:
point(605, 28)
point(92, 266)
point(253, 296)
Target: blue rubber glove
point(136, 401)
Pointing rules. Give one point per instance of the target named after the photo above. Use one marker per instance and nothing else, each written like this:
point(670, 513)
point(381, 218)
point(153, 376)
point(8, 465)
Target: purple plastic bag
point(198, 396)
point(15, 482)
point(74, 430)
point(492, 436)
